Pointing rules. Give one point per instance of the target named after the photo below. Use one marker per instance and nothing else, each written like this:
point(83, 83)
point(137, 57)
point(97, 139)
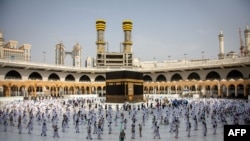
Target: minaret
point(60, 54)
point(1, 45)
point(127, 28)
point(242, 49)
point(1, 39)
point(247, 41)
point(76, 55)
point(221, 45)
point(100, 27)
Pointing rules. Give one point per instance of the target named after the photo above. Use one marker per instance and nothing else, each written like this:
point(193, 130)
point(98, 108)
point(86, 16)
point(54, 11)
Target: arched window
point(176, 77)
point(54, 77)
point(69, 78)
point(84, 78)
point(147, 78)
point(234, 74)
point(161, 78)
point(13, 75)
point(100, 78)
point(213, 75)
point(194, 76)
point(35, 76)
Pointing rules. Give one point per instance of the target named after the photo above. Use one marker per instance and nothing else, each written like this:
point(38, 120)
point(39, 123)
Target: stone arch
point(223, 90)
point(192, 89)
point(247, 92)
point(145, 90)
point(199, 89)
point(167, 89)
point(99, 78)
point(231, 91)
point(13, 75)
point(14, 90)
point(66, 90)
point(39, 90)
point(83, 90)
point(53, 91)
point(161, 78)
point(213, 75)
point(234, 74)
point(194, 76)
point(46, 91)
point(31, 90)
point(147, 78)
point(53, 77)
point(99, 91)
point(240, 91)
point(23, 91)
point(151, 90)
point(185, 90)
point(71, 90)
point(78, 90)
point(4, 91)
point(176, 77)
point(172, 89)
point(87, 90)
point(84, 78)
point(207, 91)
point(179, 89)
point(104, 91)
point(214, 91)
point(93, 90)
point(69, 77)
point(60, 91)
point(35, 76)
point(162, 90)
point(156, 90)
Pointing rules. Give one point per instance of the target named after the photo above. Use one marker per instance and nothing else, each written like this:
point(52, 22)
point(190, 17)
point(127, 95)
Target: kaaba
point(124, 86)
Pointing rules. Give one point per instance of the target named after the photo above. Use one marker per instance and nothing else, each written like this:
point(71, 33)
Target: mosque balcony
point(196, 65)
point(151, 66)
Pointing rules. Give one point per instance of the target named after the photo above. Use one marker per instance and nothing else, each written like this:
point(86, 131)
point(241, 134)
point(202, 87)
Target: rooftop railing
point(144, 66)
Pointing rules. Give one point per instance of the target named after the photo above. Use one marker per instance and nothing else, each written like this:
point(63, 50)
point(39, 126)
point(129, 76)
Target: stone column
point(56, 93)
point(245, 91)
point(227, 91)
point(236, 92)
point(8, 91)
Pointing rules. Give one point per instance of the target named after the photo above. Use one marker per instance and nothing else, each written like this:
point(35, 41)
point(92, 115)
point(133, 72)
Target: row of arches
point(207, 89)
point(36, 91)
point(234, 74)
point(31, 88)
point(52, 77)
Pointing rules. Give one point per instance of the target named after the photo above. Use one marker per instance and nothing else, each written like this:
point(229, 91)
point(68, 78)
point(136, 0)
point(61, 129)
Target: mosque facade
point(227, 76)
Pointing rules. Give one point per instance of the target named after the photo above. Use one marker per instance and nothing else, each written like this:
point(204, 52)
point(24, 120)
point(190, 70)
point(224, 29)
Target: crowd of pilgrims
point(94, 114)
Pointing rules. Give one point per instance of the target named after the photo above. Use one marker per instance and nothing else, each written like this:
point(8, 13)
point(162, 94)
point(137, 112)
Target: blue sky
point(161, 28)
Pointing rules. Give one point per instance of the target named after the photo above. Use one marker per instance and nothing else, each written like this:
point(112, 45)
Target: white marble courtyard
point(12, 133)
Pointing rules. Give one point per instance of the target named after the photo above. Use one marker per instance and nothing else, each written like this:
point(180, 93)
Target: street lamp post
point(44, 56)
point(203, 58)
point(168, 58)
point(154, 62)
point(202, 55)
point(185, 57)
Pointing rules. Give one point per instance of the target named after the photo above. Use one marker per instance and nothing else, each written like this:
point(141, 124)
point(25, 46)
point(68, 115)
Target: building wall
point(224, 86)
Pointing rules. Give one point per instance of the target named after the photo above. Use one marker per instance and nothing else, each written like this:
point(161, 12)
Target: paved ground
point(147, 132)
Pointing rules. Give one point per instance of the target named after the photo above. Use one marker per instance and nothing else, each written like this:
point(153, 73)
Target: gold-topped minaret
point(100, 27)
point(127, 28)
